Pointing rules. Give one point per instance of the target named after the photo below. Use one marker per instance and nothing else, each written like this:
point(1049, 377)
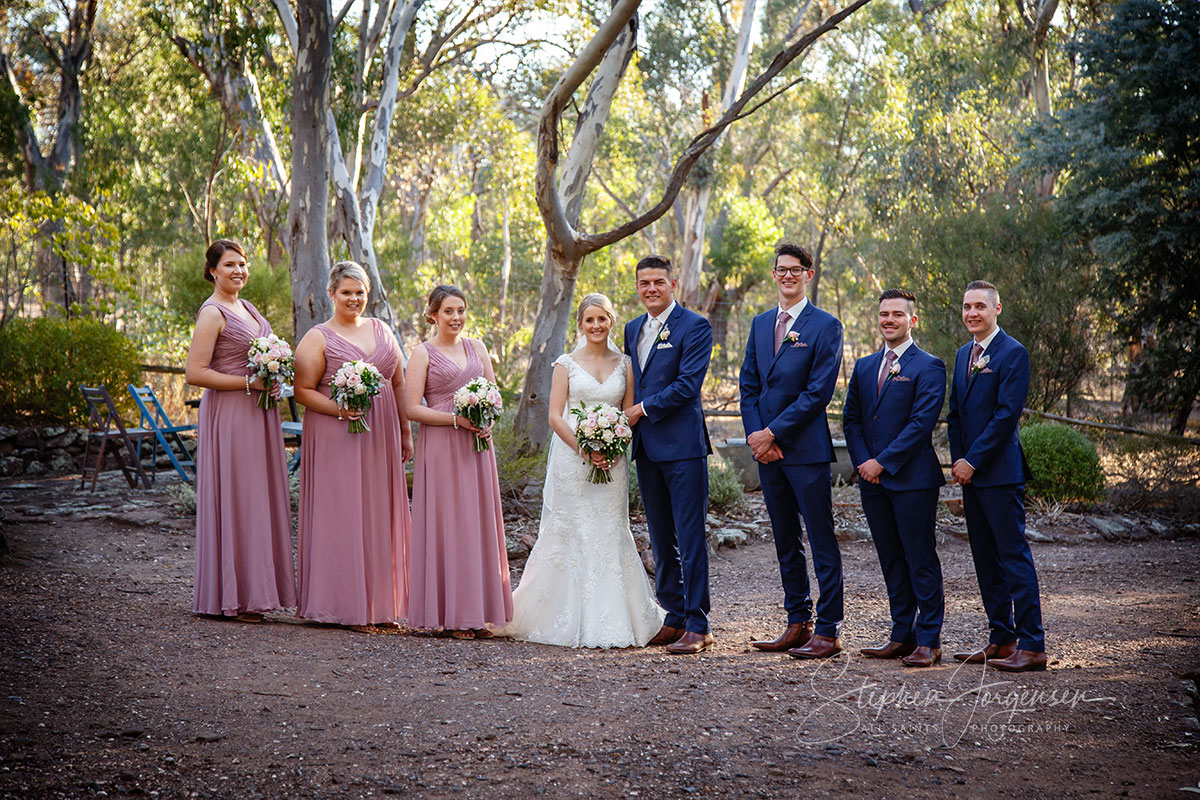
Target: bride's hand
point(601, 461)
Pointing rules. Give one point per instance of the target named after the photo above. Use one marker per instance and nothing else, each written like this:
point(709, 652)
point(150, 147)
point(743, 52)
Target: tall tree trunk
point(692, 264)
point(506, 262)
point(561, 268)
point(309, 206)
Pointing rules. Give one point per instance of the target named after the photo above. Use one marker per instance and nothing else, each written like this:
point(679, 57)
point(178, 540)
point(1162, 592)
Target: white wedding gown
point(584, 584)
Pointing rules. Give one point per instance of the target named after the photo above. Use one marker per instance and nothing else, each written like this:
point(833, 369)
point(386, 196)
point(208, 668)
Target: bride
point(584, 584)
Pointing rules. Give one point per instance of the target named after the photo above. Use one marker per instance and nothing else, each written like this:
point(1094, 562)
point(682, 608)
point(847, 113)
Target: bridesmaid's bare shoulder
point(480, 347)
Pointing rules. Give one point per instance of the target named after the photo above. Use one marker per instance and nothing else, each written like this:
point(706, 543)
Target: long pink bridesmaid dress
point(243, 511)
point(458, 574)
point(354, 517)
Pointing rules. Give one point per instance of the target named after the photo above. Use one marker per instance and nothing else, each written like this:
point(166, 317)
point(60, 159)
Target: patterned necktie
point(647, 340)
point(976, 354)
point(888, 360)
point(781, 327)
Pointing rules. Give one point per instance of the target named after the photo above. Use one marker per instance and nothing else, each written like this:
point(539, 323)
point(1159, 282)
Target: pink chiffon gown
point(458, 573)
point(243, 511)
point(354, 518)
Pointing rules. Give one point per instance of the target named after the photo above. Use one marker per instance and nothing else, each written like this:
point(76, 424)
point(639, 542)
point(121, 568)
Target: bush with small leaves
point(1065, 464)
point(724, 487)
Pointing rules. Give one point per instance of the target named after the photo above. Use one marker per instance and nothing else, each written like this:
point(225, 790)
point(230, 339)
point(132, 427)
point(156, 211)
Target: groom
point(670, 347)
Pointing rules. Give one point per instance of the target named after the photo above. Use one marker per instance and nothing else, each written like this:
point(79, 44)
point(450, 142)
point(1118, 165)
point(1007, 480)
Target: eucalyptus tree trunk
point(307, 244)
point(692, 264)
point(561, 266)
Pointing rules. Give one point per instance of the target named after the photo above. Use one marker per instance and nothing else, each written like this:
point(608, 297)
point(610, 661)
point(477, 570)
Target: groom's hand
point(773, 453)
point(760, 442)
point(634, 413)
point(870, 470)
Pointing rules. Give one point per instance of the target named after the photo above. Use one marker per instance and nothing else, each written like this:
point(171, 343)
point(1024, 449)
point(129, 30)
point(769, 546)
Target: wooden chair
point(106, 426)
point(166, 433)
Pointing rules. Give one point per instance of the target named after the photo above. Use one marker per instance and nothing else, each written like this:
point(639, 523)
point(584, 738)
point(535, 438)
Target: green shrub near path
point(1064, 462)
point(43, 362)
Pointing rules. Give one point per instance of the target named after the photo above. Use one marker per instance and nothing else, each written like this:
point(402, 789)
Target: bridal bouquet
point(354, 387)
point(271, 359)
point(481, 403)
point(602, 429)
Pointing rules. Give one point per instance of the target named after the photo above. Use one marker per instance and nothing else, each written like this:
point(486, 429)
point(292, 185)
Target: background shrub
point(1065, 464)
point(43, 362)
point(517, 468)
point(724, 486)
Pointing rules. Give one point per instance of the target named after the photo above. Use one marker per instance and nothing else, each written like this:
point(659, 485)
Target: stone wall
point(53, 449)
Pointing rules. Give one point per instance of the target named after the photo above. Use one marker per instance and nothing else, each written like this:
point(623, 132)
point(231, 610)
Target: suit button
point(876, 417)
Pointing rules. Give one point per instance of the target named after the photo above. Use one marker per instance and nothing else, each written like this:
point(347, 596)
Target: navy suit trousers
point(792, 492)
point(902, 525)
point(1004, 564)
point(675, 494)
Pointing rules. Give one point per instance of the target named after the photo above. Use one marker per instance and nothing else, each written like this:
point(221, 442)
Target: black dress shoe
point(991, 651)
point(923, 657)
point(818, 647)
point(792, 636)
point(889, 650)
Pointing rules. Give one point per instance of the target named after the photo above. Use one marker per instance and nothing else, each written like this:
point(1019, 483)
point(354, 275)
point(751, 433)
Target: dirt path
point(111, 687)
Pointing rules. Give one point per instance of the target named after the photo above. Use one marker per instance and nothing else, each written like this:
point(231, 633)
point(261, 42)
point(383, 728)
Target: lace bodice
point(583, 388)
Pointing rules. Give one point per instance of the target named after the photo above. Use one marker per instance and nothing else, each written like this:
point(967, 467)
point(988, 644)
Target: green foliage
point(635, 490)
point(1133, 187)
point(268, 288)
point(517, 467)
point(724, 487)
point(44, 362)
point(1065, 464)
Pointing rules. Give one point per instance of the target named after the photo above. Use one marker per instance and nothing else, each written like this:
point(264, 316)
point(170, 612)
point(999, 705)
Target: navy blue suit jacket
point(985, 410)
point(669, 387)
point(895, 425)
point(789, 391)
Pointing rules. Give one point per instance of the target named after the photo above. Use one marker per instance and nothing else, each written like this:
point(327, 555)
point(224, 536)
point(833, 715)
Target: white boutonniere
point(893, 370)
point(792, 337)
point(981, 364)
point(664, 334)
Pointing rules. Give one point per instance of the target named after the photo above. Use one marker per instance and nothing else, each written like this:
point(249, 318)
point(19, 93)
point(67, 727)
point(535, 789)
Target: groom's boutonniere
point(664, 334)
point(980, 365)
point(893, 370)
point(792, 338)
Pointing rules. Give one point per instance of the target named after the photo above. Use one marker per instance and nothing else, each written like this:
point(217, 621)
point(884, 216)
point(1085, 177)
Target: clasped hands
point(763, 447)
point(962, 472)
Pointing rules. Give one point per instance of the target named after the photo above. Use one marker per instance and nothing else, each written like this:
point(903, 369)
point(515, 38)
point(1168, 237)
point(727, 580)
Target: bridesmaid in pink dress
point(243, 512)
point(354, 517)
point(458, 572)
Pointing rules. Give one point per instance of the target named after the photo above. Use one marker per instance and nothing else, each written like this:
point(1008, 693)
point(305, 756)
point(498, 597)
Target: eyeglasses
point(783, 272)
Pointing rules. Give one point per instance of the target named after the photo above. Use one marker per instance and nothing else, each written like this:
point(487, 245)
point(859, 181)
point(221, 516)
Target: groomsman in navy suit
point(991, 382)
point(793, 357)
point(671, 347)
point(892, 405)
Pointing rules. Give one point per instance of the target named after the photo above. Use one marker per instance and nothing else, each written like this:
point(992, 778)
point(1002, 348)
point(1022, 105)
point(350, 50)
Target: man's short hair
point(786, 248)
point(986, 287)
point(900, 294)
point(654, 262)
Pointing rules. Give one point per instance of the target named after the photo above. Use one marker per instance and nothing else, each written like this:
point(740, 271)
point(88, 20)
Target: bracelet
point(247, 384)
point(454, 419)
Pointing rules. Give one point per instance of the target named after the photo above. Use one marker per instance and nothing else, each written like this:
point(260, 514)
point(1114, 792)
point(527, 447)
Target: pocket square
point(902, 379)
point(663, 345)
point(986, 370)
point(800, 344)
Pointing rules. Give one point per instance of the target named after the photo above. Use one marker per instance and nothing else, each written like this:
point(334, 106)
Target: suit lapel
point(672, 321)
point(992, 352)
point(633, 334)
point(903, 361)
point(796, 328)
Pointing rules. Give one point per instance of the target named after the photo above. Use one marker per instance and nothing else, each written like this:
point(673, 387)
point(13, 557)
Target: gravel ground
point(112, 687)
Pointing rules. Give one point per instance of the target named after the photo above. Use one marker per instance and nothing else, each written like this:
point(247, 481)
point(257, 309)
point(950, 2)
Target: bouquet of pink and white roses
point(271, 359)
point(355, 385)
point(605, 430)
point(481, 403)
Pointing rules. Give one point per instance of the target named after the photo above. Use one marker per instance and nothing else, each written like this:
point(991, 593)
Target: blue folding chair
point(165, 432)
point(293, 428)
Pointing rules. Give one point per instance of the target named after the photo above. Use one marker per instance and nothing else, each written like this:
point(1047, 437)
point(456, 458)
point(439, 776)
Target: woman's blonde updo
point(599, 301)
point(348, 269)
point(437, 297)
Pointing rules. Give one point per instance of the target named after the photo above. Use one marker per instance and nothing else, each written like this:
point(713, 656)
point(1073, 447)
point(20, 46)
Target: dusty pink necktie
point(888, 360)
point(976, 354)
point(781, 328)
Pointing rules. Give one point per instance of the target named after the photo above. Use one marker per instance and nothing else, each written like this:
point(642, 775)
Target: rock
point(6, 433)
point(52, 431)
point(1111, 528)
point(516, 548)
point(856, 533)
point(1032, 534)
point(959, 531)
point(11, 465)
point(35, 468)
point(730, 537)
point(61, 462)
point(1191, 724)
point(955, 506)
point(209, 737)
point(26, 439)
point(648, 561)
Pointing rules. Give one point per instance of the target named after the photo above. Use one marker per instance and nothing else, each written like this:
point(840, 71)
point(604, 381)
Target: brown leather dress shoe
point(923, 657)
point(690, 644)
point(889, 650)
point(818, 647)
point(1020, 661)
point(666, 634)
point(792, 636)
point(991, 651)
